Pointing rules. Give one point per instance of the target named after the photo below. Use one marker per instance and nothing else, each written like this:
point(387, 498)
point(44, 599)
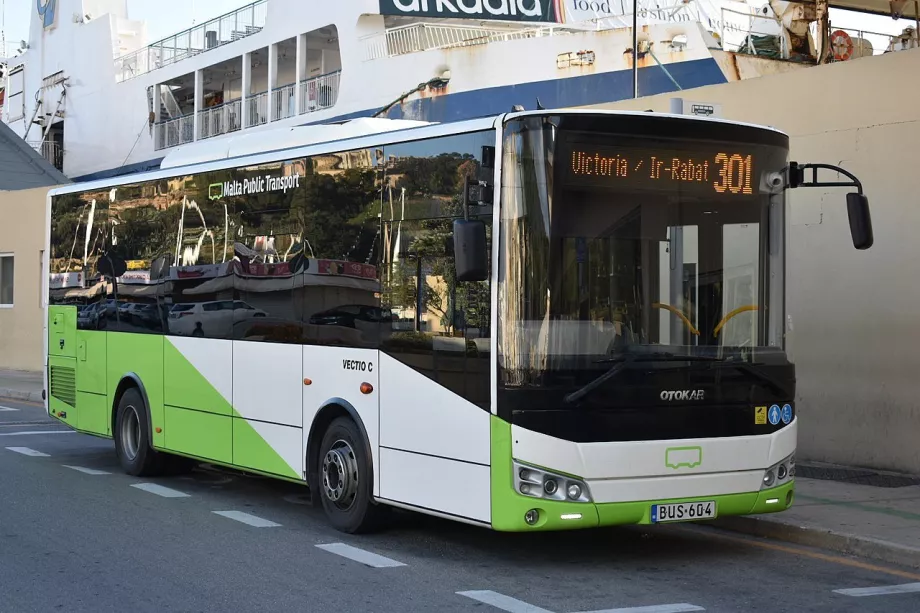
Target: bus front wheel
point(345, 479)
point(132, 438)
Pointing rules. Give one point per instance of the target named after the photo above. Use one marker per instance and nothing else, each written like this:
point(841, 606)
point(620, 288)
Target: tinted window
point(339, 210)
point(437, 325)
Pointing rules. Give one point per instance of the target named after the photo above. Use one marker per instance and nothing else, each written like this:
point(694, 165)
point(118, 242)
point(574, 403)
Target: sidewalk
point(21, 385)
point(864, 513)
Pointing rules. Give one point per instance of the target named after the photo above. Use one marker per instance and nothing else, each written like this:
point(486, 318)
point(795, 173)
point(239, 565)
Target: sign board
point(679, 106)
point(504, 10)
point(579, 11)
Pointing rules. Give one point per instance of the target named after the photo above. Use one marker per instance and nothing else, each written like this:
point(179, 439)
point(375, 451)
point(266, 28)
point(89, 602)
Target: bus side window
point(338, 207)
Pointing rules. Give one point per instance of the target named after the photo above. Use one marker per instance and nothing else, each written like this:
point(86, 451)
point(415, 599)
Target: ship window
point(16, 98)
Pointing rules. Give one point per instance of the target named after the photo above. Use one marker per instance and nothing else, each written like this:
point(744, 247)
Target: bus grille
point(64, 384)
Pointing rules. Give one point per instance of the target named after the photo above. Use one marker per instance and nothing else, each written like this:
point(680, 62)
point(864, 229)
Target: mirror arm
point(797, 178)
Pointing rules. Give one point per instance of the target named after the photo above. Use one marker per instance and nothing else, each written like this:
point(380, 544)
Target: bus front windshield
point(616, 246)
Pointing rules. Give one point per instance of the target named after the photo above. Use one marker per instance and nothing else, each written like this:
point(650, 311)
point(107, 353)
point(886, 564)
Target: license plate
point(683, 511)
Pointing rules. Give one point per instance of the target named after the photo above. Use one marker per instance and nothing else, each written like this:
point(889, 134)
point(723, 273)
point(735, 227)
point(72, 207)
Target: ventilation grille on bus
point(64, 384)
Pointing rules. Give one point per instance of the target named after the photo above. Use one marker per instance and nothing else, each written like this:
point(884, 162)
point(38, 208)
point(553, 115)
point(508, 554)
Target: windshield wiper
point(623, 361)
point(604, 378)
point(756, 373)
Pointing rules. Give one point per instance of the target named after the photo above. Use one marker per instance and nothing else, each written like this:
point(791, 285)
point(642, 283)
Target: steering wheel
point(679, 313)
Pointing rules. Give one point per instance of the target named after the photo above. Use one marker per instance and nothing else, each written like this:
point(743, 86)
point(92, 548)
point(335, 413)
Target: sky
point(165, 17)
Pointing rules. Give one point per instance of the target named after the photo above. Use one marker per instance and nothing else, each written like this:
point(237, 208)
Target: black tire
point(132, 437)
point(348, 502)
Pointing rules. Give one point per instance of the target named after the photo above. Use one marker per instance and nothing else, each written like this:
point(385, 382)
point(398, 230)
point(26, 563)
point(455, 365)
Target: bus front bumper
point(524, 514)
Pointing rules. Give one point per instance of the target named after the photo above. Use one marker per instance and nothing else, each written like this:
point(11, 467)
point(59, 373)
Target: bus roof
point(274, 145)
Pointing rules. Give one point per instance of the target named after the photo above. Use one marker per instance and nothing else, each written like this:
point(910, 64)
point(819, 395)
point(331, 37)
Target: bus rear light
point(366, 388)
point(539, 483)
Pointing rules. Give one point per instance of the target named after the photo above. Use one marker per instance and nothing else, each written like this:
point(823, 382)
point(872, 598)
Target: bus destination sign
point(719, 173)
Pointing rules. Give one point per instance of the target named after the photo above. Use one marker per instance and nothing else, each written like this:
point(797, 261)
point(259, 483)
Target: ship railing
point(320, 92)
point(283, 101)
point(863, 43)
point(52, 151)
point(758, 37)
point(257, 110)
point(221, 119)
point(174, 132)
point(212, 34)
point(418, 37)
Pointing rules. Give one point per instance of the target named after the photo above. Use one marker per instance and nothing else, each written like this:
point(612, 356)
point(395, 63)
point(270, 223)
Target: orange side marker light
point(308, 381)
point(158, 430)
point(366, 388)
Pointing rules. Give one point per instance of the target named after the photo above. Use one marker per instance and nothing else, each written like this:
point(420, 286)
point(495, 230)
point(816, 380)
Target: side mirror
point(471, 259)
point(111, 266)
point(160, 267)
point(860, 220)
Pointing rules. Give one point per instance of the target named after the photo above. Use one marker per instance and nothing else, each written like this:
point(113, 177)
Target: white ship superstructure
point(98, 100)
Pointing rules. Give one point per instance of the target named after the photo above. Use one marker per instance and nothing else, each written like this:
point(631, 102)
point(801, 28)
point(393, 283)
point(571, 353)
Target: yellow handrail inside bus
point(676, 311)
point(738, 311)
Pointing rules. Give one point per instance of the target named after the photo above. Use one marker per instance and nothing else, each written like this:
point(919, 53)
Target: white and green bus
point(539, 321)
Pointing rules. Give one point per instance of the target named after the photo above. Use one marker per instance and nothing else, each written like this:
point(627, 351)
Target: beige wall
point(22, 233)
point(856, 314)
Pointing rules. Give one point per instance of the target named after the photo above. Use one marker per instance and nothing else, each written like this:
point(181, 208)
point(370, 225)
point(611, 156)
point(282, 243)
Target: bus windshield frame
point(631, 238)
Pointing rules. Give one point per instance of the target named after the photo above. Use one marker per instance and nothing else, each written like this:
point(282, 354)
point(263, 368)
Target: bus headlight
point(779, 474)
point(539, 483)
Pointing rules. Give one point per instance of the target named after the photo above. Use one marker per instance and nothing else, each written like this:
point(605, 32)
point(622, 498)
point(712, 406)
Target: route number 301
point(734, 174)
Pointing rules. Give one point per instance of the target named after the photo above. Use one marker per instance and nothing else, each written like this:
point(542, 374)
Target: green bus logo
point(689, 457)
point(215, 191)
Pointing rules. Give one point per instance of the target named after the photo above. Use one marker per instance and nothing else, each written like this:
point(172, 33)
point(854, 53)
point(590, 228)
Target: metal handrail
point(214, 33)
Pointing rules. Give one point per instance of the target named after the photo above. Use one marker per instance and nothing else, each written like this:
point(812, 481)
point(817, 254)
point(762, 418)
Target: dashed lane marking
point(87, 471)
point(656, 608)
point(246, 518)
point(29, 452)
point(7, 409)
point(359, 555)
point(159, 490)
point(883, 590)
point(500, 601)
point(513, 605)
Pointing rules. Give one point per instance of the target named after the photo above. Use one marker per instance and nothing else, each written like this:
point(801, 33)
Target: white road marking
point(657, 608)
point(904, 588)
point(500, 601)
point(246, 518)
point(29, 452)
point(359, 555)
point(159, 490)
point(7, 410)
point(88, 471)
point(513, 605)
point(30, 433)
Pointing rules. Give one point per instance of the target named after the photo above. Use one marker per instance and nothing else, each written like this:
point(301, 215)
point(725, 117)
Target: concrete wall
point(856, 314)
point(22, 233)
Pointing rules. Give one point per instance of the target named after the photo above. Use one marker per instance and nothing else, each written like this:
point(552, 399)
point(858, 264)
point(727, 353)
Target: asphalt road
point(77, 534)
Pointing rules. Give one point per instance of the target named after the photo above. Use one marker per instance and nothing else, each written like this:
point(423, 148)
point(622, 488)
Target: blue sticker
point(787, 413)
point(774, 414)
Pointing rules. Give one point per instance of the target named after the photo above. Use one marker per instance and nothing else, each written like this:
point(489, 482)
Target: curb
point(11, 394)
point(864, 547)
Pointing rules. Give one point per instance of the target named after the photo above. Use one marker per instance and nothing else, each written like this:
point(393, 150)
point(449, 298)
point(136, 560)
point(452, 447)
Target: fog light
point(550, 487)
point(525, 489)
point(781, 472)
point(768, 478)
point(574, 491)
point(532, 517)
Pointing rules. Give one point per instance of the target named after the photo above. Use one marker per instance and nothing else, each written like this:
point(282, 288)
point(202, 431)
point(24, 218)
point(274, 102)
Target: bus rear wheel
point(345, 480)
point(132, 437)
